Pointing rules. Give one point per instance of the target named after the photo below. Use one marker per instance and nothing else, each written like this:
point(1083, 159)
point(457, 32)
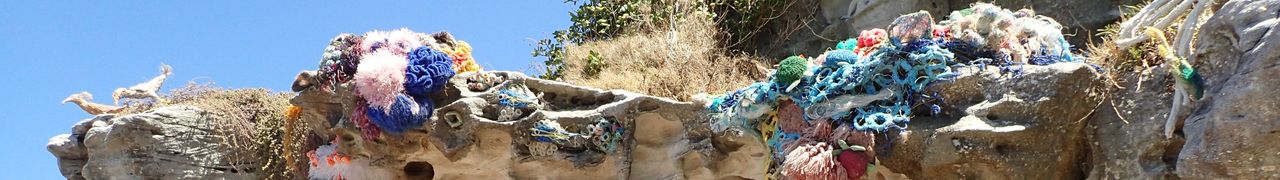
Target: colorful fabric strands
point(872, 82)
point(338, 63)
point(403, 115)
point(605, 134)
point(360, 117)
point(428, 71)
point(550, 131)
point(513, 99)
point(743, 107)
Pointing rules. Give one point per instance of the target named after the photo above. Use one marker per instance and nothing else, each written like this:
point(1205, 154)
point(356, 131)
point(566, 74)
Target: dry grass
point(253, 120)
point(678, 61)
point(1133, 62)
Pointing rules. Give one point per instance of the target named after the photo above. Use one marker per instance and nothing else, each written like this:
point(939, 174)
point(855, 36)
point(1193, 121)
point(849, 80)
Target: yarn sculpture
point(403, 115)
point(790, 69)
point(380, 77)
point(871, 84)
point(462, 60)
point(428, 71)
point(327, 163)
point(392, 76)
point(339, 61)
point(359, 116)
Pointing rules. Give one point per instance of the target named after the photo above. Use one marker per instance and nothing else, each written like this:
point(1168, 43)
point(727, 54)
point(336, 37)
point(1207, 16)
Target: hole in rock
point(419, 170)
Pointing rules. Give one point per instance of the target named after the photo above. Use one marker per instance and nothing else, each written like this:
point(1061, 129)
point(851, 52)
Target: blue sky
point(51, 49)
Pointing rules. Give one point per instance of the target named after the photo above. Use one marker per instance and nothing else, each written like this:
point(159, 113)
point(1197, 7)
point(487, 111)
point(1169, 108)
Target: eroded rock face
point(474, 134)
point(1002, 126)
point(1232, 134)
point(175, 142)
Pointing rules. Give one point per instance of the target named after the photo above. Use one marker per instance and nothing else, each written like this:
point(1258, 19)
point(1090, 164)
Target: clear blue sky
point(51, 49)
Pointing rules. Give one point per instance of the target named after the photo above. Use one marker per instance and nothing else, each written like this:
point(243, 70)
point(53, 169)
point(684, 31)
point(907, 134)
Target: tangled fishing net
point(873, 82)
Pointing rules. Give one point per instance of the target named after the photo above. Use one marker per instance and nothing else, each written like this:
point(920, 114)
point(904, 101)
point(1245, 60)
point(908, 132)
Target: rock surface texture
point(1057, 121)
point(1003, 126)
point(1233, 133)
point(471, 138)
point(166, 143)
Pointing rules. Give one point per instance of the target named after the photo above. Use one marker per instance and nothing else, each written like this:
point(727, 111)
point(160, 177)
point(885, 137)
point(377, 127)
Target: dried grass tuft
point(678, 61)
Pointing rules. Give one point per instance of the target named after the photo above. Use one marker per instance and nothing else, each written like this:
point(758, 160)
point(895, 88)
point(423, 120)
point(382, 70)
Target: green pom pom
point(790, 70)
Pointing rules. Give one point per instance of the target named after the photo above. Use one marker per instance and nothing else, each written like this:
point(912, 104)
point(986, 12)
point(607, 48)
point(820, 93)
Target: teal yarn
point(848, 44)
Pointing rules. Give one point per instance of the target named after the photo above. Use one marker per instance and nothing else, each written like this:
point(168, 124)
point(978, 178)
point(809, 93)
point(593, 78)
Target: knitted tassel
point(428, 71)
point(812, 162)
point(359, 116)
point(380, 77)
point(403, 115)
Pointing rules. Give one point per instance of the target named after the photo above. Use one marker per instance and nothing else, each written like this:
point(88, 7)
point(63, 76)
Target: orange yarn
point(462, 60)
point(291, 116)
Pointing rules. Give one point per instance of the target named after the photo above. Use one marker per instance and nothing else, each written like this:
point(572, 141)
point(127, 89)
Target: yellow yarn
point(462, 60)
point(766, 129)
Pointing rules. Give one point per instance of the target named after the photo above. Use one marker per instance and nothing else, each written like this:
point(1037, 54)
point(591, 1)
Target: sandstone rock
point(468, 137)
point(1126, 140)
point(1002, 126)
point(165, 143)
point(1232, 134)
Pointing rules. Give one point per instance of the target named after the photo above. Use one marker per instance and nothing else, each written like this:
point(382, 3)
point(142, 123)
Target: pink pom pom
point(398, 42)
point(402, 40)
point(380, 77)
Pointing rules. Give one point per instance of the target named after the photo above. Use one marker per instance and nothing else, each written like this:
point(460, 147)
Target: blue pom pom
point(400, 117)
point(429, 70)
